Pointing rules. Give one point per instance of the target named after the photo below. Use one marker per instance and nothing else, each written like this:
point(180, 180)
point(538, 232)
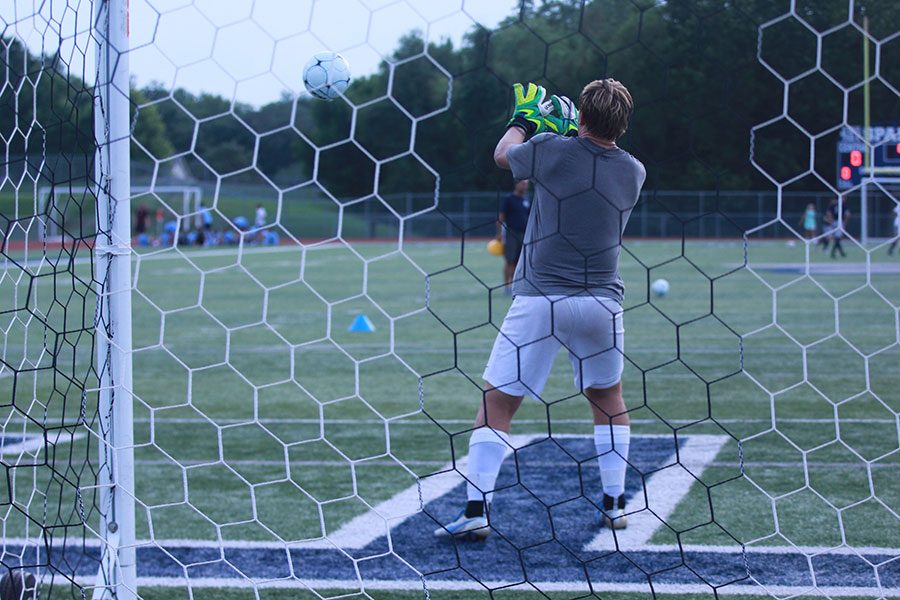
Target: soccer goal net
point(879, 197)
point(72, 209)
point(245, 329)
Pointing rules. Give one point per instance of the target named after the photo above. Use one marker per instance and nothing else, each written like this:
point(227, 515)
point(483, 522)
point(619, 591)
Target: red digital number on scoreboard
point(856, 159)
point(846, 173)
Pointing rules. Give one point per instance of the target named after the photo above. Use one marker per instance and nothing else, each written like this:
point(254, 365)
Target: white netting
point(313, 305)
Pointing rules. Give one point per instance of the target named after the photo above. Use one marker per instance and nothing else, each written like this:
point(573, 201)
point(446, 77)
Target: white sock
point(612, 447)
point(487, 447)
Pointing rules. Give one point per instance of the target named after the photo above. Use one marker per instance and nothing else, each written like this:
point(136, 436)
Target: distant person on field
point(827, 228)
point(896, 228)
point(140, 220)
point(835, 228)
point(207, 217)
point(809, 221)
point(259, 221)
point(567, 287)
point(511, 224)
point(160, 221)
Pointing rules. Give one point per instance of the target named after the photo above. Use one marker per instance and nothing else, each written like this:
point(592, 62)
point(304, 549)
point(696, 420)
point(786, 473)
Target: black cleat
point(613, 514)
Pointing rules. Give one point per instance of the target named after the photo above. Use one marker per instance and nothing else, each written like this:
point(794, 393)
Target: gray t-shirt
point(583, 197)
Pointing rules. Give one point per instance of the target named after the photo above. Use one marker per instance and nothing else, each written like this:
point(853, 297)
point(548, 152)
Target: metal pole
point(867, 132)
point(112, 250)
point(864, 212)
point(198, 217)
point(185, 209)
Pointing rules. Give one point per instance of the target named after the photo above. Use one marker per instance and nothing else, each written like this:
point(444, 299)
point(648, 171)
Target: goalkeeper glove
point(527, 113)
point(560, 116)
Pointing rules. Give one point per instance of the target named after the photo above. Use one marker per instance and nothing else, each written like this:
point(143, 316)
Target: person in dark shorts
point(835, 228)
point(511, 224)
point(140, 220)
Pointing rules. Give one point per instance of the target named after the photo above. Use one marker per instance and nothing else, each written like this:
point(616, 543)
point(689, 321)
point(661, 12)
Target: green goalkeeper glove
point(527, 113)
point(560, 116)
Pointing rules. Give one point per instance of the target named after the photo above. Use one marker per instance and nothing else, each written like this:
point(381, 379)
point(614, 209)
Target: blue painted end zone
point(12, 439)
point(543, 518)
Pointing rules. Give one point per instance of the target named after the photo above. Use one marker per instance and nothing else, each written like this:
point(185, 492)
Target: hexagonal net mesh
point(245, 330)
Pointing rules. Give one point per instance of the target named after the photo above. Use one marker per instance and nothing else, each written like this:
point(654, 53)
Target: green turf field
point(259, 417)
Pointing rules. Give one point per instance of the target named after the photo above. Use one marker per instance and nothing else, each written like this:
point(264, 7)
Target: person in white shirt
point(259, 222)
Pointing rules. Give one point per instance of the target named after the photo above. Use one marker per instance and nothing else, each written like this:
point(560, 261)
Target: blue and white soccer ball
point(660, 287)
point(326, 75)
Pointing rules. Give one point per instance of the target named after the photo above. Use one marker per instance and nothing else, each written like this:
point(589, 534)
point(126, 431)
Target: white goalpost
point(885, 180)
point(117, 576)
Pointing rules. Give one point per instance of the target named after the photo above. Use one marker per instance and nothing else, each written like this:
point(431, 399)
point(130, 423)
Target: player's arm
point(513, 137)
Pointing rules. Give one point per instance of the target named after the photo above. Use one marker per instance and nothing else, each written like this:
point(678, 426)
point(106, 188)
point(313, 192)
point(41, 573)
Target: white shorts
point(535, 328)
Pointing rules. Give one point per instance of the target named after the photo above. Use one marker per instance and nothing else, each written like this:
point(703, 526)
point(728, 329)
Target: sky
point(251, 50)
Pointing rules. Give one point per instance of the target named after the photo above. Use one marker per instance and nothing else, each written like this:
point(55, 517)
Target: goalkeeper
point(567, 286)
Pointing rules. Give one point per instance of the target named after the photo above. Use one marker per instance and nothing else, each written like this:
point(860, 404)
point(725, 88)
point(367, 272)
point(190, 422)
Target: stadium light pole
point(867, 132)
point(117, 577)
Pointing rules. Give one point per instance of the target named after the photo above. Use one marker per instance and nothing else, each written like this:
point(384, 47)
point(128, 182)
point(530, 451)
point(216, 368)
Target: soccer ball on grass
point(660, 288)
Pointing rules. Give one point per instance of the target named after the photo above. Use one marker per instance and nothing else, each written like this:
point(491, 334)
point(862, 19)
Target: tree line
point(692, 67)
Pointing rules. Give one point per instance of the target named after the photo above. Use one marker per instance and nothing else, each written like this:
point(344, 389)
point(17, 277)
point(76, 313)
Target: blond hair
point(605, 106)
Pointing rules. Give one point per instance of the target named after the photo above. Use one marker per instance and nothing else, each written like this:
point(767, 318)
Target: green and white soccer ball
point(326, 75)
point(660, 288)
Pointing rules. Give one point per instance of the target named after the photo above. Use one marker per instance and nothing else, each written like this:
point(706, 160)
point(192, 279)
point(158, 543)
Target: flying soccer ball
point(660, 288)
point(326, 75)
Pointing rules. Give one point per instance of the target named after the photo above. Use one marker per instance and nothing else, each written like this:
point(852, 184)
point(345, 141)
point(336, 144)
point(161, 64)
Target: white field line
point(380, 519)
point(665, 490)
point(545, 586)
point(34, 442)
point(407, 421)
point(814, 268)
point(366, 528)
point(435, 463)
point(173, 543)
point(232, 251)
point(403, 347)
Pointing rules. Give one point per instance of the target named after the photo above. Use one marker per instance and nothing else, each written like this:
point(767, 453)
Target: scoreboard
point(851, 152)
